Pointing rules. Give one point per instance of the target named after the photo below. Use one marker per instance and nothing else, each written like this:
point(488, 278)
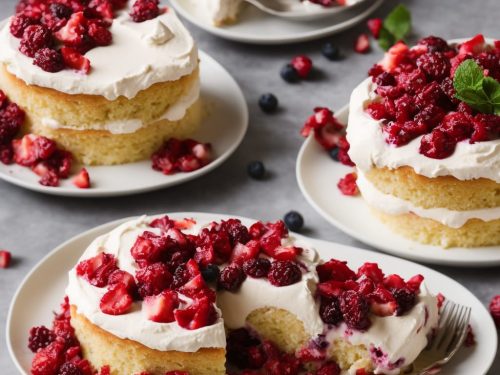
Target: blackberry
point(40, 337)
point(257, 268)
point(283, 273)
point(231, 278)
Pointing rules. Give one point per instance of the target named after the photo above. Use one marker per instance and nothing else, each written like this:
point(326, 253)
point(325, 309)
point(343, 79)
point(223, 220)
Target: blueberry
point(294, 221)
point(330, 51)
point(289, 73)
point(268, 103)
point(210, 273)
point(334, 153)
point(256, 170)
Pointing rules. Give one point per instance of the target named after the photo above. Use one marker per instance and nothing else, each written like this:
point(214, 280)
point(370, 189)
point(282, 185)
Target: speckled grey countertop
point(32, 224)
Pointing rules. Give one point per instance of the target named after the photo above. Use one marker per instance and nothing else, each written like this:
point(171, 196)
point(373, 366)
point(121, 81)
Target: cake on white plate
point(98, 76)
point(157, 295)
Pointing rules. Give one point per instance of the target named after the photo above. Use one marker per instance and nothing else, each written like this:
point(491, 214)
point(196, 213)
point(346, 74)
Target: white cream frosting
point(399, 337)
point(369, 148)
point(396, 206)
point(141, 55)
point(175, 112)
point(135, 325)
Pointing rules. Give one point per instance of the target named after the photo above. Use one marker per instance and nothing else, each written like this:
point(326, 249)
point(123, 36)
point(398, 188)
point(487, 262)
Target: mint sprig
point(396, 27)
point(477, 90)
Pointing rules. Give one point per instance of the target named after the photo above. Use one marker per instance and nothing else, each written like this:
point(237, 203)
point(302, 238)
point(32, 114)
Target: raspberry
point(400, 134)
point(283, 273)
point(413, 81)
point(60, 10)
point(405, 299)
point(101, 35)
point(495, 309)
point(50, 179)
point(432, 93)
point(486, 127)
point(430, 116)
point(303, 65)
point(48, 360)
point(35, 37)
point(257, 268)
point(435, 65)
point(434, 44)
point(330, 311)
point(49, 60)
point(437, 145)
point(144, 10)
point(149, 248)
point(153, 279)
point(11, 119)
point(377, 111)
point(457, 125)
point(347, 184)
point(231, 278)
point(40, 337)
point(6, 154)
point(385, 79)
point(69, 368)
point(237, 232)
point(19, 23)
point(329, 368)
point(355, 310)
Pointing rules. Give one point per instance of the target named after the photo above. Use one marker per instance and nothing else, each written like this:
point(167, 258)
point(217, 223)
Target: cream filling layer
point(393, 205)
point(142, 54)
point(369, 148)
point(175, 112)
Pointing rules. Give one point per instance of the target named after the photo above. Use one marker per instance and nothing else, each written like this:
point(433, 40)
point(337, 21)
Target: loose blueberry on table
point(256, 170)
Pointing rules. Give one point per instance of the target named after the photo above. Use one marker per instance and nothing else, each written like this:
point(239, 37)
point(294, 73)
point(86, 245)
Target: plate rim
point(414, 256)
point(95, 193)
point(302, 37)
point(216, 216)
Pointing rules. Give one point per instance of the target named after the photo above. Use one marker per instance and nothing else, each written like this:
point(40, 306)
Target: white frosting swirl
point(398, 337)
point(396, 206)
point(369, 148)
point(141, 55)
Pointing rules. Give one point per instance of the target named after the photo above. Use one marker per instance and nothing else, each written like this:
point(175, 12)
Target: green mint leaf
point(468, 76)
point(398, 22)
point(386, 39)
point(472, 87)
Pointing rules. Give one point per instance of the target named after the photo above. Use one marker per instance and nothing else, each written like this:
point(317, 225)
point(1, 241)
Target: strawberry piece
point(362, 44)
point(311, 354)
point(394, 56)
point(199, 314)
point(184, 224)
point(160, 308)
point(414, 283)
point(375, 25)
point(242, 253)
point(48, 360)
point(440, 300)
point(204, 255)
point(116, 301)
point(303, 65)
point(347, 185)
point(382, 302)
point(472, 46)
point(153, 279)
point(82, 179)
point(203, 152)
point(335, 270)
point(394, 282)
point(75, 60)
point(331, 288)
point(372, 271)
point(164, 223)
point(72, 33)
point(287, 253)
point(124, 278)
point(97, 270)
point(24, 150)
point(5, 258)
point(196, 288)
point(148, 248)
point(188, 163)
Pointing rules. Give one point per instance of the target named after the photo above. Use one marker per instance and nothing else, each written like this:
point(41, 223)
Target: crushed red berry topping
point(200, 314)
point(5, 259)
point(97, 270)
point(181, 156)
point(284, 273)
point(40, 337)
point(160, 308)
point(347, 185)
point(495, 310)
point(144, 10)
point(362, 44)
point(418, 94)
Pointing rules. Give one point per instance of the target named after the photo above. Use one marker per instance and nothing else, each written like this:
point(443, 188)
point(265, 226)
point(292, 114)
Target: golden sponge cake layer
point(127, 357)
point(475, 233)
point(86, 111)
point(98, 147)
point(444, 192)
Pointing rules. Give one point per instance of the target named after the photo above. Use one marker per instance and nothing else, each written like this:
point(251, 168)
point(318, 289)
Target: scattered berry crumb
point(375, 25)
point(5, 258)
point(347, 185)
point(470, 339)
point(362, 44)
point(82, 179)
point(495, 310)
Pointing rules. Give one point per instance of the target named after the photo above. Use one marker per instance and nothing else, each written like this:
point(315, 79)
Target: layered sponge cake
point(427, 155)
point(108, 83)
point(157, 295)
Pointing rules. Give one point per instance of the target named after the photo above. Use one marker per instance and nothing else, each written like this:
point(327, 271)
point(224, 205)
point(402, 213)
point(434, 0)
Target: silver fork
point(451, 333)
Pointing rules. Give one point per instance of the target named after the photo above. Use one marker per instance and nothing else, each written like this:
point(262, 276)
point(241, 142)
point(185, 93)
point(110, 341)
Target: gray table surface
point(32, 224)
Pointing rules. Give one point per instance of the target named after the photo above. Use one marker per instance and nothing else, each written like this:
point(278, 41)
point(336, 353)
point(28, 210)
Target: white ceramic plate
point(254, 26)
point(318, 175)
point(224, 125)
point(43, 289)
